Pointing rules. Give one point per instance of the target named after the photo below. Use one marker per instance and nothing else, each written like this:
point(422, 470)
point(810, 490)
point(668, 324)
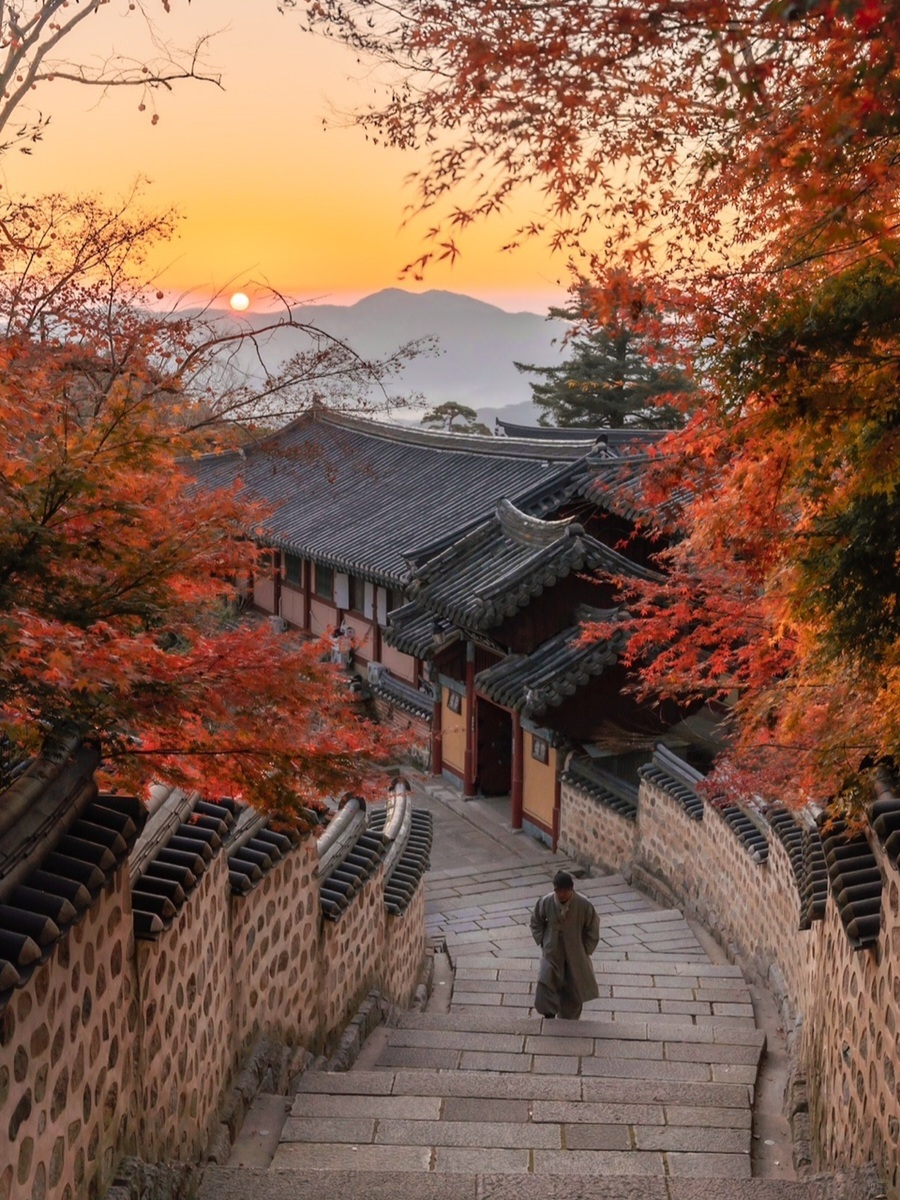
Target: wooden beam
point(517, 787)
point(437, 732)
point(469, 759)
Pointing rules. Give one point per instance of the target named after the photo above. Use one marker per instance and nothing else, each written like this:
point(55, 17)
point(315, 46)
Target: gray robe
point(565, 977)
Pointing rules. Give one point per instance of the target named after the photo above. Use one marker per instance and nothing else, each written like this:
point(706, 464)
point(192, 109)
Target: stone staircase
point(648, 1097)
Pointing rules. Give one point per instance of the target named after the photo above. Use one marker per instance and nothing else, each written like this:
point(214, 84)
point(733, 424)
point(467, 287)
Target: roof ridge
point(472, 443)
point(529, 530)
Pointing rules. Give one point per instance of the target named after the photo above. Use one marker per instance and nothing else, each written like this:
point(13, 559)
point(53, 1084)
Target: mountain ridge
point(478, 344)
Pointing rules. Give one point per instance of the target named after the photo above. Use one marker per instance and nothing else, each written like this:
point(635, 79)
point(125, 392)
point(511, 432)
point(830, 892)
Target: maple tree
point(780, 592)
point(741, 157)
point(115, 570)
point(671, 133)
point(34, 39)
point(622, 368)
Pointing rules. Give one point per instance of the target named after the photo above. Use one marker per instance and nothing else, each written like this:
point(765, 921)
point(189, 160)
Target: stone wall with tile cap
point(841, 1006)
point(851, 1039)
point(589, 832)
point(413, 726)
point(763, 927)
point(352, 957)
point(404, 951)
point(275, 942)
point(116, 1047)
point(68, 1060)
point(187, 1046)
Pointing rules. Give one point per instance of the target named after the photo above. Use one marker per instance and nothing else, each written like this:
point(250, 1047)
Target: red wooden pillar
point(276, 581)
point(376, 637)
point(517, 789)
point(437, 731)
point(307, 595)
point(557, 808)
point(470, 764)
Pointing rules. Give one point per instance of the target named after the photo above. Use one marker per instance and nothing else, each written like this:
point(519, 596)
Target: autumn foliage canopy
point(116, 573)
point(741, 159)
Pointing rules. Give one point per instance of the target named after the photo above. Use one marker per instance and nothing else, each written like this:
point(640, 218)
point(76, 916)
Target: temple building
point(454, 574)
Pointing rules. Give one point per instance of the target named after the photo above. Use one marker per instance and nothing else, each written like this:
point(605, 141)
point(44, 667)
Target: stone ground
point(649, 1097)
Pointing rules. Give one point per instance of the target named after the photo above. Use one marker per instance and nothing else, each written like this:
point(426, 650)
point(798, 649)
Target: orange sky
point(267, 194)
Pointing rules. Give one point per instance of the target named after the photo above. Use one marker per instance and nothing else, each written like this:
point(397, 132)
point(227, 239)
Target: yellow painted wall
point(292, 605)
point(401, 665)
point(539, 784)
point(362, 635)
point(321, 617)
point(454, 733)
point(264, 594)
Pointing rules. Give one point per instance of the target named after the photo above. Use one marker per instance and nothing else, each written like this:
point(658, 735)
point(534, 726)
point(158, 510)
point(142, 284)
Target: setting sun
point(239, 302)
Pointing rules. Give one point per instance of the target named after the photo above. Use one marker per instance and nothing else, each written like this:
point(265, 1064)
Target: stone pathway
point(648, 1097)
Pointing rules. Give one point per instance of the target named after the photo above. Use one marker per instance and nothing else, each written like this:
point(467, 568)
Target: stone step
point(224, 1183)
point(670, 1120)
point(419, 1083)
point(485, 1039)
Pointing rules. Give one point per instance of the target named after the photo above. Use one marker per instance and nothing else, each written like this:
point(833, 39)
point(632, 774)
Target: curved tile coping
point(183, 835)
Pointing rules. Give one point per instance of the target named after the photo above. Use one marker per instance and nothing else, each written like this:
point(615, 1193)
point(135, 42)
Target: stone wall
point(275, 938)
point(851, 1040)
point(764, 927)
point(351, 956)
point(69, 1058)
point(187, 1051)
point(417, 728)
point(117, 1047)
point(840, 1006)
point(591, 833)
point(404, 951)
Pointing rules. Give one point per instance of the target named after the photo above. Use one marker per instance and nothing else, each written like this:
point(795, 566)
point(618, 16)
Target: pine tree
point(619, 372)
point(453, 417)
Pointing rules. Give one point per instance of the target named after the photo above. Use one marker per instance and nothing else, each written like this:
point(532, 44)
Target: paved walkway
point(648, 1097)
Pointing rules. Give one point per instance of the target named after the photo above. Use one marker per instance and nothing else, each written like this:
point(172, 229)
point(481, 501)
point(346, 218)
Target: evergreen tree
point(454, 418)
point(620, 370)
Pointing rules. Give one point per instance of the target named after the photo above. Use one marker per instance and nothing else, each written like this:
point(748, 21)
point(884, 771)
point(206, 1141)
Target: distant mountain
point(478, 344)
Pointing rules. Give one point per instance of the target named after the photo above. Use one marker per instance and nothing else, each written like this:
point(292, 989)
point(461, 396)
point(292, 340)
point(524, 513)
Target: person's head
point(564, 886)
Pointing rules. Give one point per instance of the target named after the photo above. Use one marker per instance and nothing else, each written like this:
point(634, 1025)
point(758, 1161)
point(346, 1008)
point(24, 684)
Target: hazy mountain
point(478, 344)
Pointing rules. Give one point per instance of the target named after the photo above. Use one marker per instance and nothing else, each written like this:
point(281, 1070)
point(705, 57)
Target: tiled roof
point(608, 790)
point(856, 882)
point(814, 892)
point(494, 570)
point(181, 839)
point(677, 778)
point(61, 843)
point(403, 695)
point(532, 683)
point(617, 484)
point(253, 849)
point(349, 855)
point(416, 631)
point(356, 494)
point(620, 439)
point(885, 819)
point(747, 832)
point(405, 872)
point(804, 849)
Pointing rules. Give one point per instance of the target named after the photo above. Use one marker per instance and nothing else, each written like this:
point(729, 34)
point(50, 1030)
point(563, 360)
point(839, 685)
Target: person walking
point(567, 929)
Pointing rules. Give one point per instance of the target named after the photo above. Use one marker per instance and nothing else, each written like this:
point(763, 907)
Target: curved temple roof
point(354, 494)
point(494, 570)
point(531, 683)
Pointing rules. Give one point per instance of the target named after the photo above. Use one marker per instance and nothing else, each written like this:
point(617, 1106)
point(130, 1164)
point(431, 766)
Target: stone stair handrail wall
point(840, 1006)
point(120, 1046)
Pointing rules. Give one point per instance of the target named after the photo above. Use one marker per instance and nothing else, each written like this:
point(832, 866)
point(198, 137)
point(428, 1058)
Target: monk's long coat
point(571, 939)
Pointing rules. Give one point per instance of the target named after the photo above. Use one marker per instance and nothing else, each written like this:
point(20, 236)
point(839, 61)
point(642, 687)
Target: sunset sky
point(267, 193)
